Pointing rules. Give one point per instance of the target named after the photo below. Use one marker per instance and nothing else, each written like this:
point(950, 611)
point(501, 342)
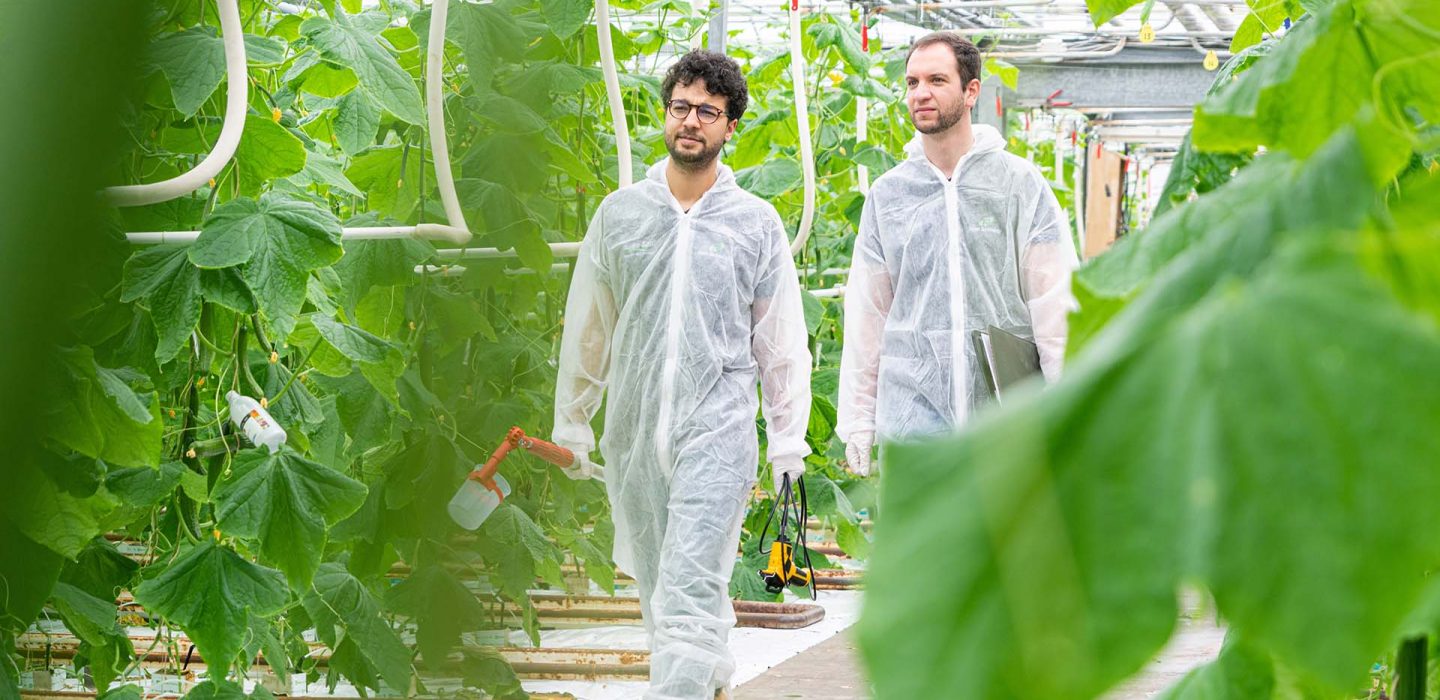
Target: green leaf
point(264, 51)
point(1102, 11)
point(100, 570)
point(770, 179)
point(90, 618)
point(366, 415)
point(511, 115)
point(369, 264)
point(28, 571)
point(279, 239)
point(566, 17)
point(347, 616)
point(1250, 32)
point(852, 539)
point(267, 151)
point(140, 489)
point(1242, 672)
point(390, 177)
point(99, 415)
point(324, 170)
point(169, 285)
point(288, 502)
point(845, 40)
point(486, 33)
point(194, 63)
point(356, 344)
point(487, 670)
point(814, 311)
point(517, 550)
point(1008, 74)
point(357, 121)
point(440, 606)
point(343, 43)
point(210, 592)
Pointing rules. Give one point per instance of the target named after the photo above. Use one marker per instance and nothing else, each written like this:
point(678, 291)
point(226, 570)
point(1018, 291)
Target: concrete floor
point(831, 670)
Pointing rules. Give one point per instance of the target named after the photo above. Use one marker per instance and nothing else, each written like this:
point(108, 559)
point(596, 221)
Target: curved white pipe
point(802, 119)
point(435, 113)
point(237, 92)
point(612, 90)
point(568, 249)
point(427, 232)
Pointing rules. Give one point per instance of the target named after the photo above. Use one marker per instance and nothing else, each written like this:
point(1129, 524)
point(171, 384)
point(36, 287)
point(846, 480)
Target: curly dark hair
point(720, 73)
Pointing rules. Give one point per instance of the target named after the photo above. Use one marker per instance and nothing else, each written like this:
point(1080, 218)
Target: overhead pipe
point(435, 113)
point(425, 232)
point(237, 91)
point(1107, 53)
point(802, 121)
point(623, 166)
point(457, 232)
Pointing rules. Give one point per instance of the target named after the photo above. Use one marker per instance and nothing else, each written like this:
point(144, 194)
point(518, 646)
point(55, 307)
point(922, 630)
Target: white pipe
point(927, 6)
point(435, 113)
point(559, 250)
point(802, 120)
point(237, 92)
point(835, 292)
point(427, 232)
point(1107, 53)
point(612, 90)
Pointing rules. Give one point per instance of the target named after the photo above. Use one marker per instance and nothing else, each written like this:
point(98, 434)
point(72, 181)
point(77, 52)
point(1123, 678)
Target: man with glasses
point(959, 237)
point(684, 297)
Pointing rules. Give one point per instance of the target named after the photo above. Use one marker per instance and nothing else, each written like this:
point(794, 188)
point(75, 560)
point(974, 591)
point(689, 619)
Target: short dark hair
point(967, 57)
point(721, 75)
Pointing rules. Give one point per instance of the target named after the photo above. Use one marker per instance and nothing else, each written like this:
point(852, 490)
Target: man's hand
point(794, 467)
point(857, 453)
point(582, 468)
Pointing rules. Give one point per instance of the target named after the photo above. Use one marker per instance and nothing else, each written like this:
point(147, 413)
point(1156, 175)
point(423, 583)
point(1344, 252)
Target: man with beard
point(958, 237)
point(683, 297)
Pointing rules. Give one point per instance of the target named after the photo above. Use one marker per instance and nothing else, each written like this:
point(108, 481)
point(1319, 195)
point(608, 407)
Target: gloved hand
point(582, 468)
point(793, 466)
point(857, 453)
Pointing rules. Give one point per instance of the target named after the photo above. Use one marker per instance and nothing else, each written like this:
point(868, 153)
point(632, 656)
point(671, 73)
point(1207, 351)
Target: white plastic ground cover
point(756, 650)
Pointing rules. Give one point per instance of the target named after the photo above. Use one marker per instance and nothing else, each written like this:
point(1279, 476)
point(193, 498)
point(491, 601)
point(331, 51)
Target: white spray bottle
point(252, 419)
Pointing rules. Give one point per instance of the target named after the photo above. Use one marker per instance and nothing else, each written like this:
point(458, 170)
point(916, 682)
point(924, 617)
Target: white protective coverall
point(937, 258)
point(679, 314)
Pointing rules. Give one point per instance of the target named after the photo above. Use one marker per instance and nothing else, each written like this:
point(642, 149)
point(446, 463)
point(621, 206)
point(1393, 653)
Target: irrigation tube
point(802, 119)
point(429, 232)
point(237, 91)
point(623, 166)
point(435, 113)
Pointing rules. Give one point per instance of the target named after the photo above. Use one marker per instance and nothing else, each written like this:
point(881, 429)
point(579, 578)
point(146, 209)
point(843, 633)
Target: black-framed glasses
point(680, 109)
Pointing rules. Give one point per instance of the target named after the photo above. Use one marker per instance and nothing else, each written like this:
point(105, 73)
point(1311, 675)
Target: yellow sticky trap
point(1211, 60)
point(1147, 33)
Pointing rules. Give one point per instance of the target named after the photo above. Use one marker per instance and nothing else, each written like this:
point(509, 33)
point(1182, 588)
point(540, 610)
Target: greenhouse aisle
point(831, 669)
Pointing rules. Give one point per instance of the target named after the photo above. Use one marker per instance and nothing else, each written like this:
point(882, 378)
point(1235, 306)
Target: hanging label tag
point(1147, 33)
point(1211, 60)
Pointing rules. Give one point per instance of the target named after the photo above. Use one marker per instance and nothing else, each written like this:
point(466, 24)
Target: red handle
point(548, 451)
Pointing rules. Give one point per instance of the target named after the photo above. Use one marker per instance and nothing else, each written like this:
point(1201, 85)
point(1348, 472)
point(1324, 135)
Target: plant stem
point(1411, 668)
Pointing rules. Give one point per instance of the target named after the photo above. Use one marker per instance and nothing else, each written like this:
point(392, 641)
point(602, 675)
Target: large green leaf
point(344, 42)
point(210, 591)
point(1102, 11)
point(1052, 535)
point(348, 619)
point(28, 571)
point(100, 570)
point(370, 264)
point(566, 17)
point(440, 606)
point(517, 550)
point(355, 343)
point(288, 502)
point(170, 286)
point(390, 177)
point(279, 239)
point(96, 412)
point(357, 120)
point(194, 62)
point(770, 179)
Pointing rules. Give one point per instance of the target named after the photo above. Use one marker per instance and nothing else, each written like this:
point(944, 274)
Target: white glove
point(582, 468)
point(792, 466)
point(857, 453)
